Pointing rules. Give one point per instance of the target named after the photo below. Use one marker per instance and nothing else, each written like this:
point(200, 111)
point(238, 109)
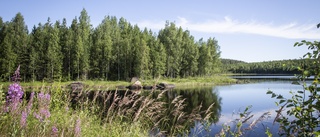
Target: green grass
point(178, 82)
point(135, 116)
point(201, 81)
point(103, 114)
point(64, 118)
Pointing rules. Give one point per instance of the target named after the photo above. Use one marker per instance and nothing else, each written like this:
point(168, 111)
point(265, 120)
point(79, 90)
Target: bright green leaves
point(114, 50)
point(269, 92)
point(282, 101)
point(302, 117)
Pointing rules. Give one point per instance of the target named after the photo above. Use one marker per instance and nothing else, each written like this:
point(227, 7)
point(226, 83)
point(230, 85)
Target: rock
point(76, 86)
point(163, 86)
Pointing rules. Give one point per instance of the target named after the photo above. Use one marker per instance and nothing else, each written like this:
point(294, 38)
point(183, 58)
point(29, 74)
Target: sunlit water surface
point(235, 98)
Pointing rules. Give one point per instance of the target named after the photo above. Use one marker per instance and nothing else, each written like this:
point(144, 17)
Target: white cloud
point(229, 25)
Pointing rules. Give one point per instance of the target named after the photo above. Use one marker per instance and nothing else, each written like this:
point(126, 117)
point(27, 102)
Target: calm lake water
point(232, 99)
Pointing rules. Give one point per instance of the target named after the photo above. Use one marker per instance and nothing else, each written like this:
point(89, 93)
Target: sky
point(247, 30)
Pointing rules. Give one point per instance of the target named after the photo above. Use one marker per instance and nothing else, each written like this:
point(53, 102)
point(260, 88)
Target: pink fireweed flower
point(16, 75)
point(14, 97)
point(43, 110)
point(77, 129)
point(23, 120)
point(54, 131)
point(15, 92)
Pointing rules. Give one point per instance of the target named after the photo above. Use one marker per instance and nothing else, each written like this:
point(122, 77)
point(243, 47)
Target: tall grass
point(58, 111)
point(36, 116)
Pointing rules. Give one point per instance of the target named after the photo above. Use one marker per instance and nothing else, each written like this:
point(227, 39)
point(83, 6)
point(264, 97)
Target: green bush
point(302, 117)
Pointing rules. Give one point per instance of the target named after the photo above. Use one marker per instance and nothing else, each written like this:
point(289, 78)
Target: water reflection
point(194, 97)
point(235, 99)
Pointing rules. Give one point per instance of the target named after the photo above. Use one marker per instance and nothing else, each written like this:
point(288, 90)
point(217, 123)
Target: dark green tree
point(114, 72)
point(190, 55)
point(19, 42)
point(14, 38)
point(101, 50)
point(205, 60)
point(37, 50)
point(209, 57)
point(53, 53)
point(214, 49)
point(157, 56)
point(77, 50)
point(123, 50)
point(8, 56)
point(140, 54)
point(84, 33)
point(65, 44)
point(171, 38)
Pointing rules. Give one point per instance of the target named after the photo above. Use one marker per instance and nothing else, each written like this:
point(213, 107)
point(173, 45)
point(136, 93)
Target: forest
point(113, 50)
point(289, 67)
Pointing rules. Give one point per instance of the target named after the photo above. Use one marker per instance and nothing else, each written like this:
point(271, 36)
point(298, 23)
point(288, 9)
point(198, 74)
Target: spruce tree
point(85, 43)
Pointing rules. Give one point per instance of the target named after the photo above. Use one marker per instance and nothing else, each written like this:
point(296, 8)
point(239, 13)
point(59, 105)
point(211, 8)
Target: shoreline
point(178, 82)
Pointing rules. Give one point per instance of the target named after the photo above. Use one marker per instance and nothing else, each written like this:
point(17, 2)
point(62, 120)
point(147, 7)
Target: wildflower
point(14, 96)
point(44, 103)
point(54, 131)
point(77, 129)
point(16, 75)
point(44, 112)
point(15, 92)
point(23, 120)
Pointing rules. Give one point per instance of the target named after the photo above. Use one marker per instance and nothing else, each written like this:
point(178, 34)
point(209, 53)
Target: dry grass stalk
point(279, 112)
point(260, 119)
point(208, 112)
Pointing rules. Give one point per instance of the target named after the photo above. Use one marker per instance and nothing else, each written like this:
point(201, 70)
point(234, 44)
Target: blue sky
point(248, 30)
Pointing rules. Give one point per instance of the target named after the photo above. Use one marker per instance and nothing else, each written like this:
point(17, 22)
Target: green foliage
point(13, 48)
point(65, 119)
point(2, 96)
point(303, 106)
point(240, 126)
point(114, 50)
point(267, 67)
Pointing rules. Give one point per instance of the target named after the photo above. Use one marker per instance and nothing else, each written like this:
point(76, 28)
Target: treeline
point(114, 50)
point(267, 67)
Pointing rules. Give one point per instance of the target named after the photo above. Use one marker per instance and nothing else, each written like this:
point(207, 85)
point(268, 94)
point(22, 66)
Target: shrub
point(302, 117)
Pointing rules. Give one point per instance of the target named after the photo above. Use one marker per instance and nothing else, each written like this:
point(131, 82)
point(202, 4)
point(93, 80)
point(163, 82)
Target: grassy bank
point(106, 85)
point(51, 112)
point(201, 81)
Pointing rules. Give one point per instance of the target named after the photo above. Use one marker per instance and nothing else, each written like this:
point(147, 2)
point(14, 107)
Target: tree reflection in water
point(194, 97)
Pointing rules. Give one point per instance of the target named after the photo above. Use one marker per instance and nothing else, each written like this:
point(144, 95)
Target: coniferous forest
point(288, 67)
point(112, 50)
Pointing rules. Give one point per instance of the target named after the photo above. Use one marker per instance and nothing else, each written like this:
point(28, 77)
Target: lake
point(232, 99)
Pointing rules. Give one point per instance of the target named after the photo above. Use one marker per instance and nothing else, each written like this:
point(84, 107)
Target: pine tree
point(123, 48)
point(100, 56)
point(8, 57)
point(32, 55)
point(115, 59)
point(19, 42)
point(77, 50)
point(140, 54)
point(84, 32)
point(65, 44)
point(144, 56)
point(53, 53)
